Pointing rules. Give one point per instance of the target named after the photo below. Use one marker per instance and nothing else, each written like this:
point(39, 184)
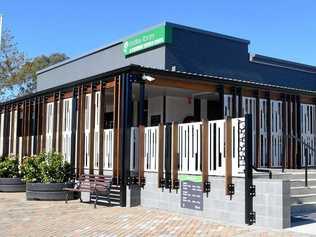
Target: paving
point(19, 217)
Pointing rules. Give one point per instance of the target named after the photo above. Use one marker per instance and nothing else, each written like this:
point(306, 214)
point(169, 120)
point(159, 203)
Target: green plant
point(9, 167)
point(30, 168)
point(46, 168)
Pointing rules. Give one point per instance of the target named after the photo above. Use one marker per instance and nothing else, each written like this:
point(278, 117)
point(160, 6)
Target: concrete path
point(19, 217)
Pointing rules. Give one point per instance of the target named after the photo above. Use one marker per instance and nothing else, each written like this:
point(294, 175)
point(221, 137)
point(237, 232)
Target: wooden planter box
point(12, 185)
point(47, 192)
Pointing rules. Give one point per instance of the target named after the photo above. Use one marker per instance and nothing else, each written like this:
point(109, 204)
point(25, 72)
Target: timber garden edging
point(12, 185)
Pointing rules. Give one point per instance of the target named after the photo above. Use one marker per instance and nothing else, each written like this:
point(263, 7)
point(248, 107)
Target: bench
point(98, 185)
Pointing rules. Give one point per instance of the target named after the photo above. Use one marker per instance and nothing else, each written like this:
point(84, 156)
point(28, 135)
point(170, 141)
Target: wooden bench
point(97, 185)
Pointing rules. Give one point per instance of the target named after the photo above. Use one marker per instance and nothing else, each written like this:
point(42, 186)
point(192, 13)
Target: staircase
point(114, 197)
point(303, 199)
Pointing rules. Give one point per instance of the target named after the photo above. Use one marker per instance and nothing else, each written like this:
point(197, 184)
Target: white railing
point(67, 146)
point(108, 144)
point(216, 147)
point(238, 156)
point(151, 144)
point(134, 149)
point(190, 147)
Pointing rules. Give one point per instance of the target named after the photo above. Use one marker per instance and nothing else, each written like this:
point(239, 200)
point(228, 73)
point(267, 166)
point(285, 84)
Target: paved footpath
point(19, 217)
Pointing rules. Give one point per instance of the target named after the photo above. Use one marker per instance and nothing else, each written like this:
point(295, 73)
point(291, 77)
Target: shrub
point(9, 167)
point(46, 168)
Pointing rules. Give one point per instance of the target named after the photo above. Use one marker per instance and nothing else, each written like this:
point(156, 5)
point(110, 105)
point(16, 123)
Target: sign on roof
point(146, 40)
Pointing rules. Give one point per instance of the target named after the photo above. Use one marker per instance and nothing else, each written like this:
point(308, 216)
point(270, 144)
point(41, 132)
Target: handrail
point(264, 171)
point(307, 146)
point(302, 142)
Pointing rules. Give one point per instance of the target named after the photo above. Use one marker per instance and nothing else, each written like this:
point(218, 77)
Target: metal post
point(74, 127)
point(125, 135)
point(250, 216)
point(141, 112)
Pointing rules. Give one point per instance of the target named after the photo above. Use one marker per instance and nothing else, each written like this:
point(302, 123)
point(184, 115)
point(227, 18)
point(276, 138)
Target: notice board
point(191, 192)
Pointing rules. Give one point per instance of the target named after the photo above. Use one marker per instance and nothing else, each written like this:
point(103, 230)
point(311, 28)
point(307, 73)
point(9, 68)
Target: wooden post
point(205, 146)
point(116, 128)
point(34, 125)
point(220, 90)
point(284, 133)
point(234, 102)
point(289, 129)
point(79, 128)
point(24, 136)
point(29, 136)
point(101, 126)
point(294, 131)
point(160, 153)
point(91, 135)
point(60, 123)
point(39, 125)
point(269, 134)
point(17, 130)
point(229, 155)
point(12, 130)
point(54, 124)
point(240, 110)
point(298, 131)
point(74, 129)
point(174, 157)
point(6, 131)
point(81, 131)
point(44, 110)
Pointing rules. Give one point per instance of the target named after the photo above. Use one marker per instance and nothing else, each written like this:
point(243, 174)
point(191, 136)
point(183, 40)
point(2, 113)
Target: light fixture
point(148, 78)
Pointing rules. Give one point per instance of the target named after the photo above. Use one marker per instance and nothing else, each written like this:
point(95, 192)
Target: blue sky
point(278, 28)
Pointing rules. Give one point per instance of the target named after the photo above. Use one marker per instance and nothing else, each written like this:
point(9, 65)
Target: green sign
point(192, 178)
point(149, 39)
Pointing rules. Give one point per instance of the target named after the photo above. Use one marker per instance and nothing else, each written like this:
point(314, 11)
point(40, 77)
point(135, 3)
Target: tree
point(11, 61)
point(18, 74)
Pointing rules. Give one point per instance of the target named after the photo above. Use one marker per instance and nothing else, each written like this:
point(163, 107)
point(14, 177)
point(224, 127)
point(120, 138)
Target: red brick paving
point(19, 217)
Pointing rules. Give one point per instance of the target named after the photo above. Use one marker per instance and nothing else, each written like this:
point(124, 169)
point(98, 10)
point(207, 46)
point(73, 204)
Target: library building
point(182, 119)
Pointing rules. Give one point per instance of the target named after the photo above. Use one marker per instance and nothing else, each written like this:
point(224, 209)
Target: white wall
point(155, 107)
point(177, 108)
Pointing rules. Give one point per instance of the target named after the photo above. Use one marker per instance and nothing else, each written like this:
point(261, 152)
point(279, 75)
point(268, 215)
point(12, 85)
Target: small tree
point(11, 62)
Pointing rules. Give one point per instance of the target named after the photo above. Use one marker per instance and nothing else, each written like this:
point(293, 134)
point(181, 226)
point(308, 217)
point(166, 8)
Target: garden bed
point(47, 192)
point(12, 185)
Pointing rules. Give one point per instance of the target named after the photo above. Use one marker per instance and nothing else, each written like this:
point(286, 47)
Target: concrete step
point(301, 182)
point(303, 208)
point(302, 199)
point(303, 190)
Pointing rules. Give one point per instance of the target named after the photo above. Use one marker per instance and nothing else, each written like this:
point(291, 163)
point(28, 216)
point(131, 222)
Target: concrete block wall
point(271, 204)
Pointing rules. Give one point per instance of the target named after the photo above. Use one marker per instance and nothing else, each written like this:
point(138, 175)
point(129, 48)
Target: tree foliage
point(17, 73)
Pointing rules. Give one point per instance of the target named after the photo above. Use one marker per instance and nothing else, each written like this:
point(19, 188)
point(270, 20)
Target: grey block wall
point(272, 202)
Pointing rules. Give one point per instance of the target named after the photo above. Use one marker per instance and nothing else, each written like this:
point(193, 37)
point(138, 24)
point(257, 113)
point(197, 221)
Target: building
point(90, 108)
